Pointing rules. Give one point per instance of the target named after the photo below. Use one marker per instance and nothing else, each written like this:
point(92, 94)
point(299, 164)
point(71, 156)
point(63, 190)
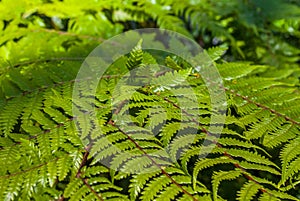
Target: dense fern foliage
point(262, 31)
point(151, 141)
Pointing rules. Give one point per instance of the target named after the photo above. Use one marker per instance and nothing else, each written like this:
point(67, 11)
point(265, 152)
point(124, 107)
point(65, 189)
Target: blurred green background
point(265, 31)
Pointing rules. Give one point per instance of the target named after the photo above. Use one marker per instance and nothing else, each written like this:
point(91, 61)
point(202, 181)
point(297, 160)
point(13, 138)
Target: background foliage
point(43, 44)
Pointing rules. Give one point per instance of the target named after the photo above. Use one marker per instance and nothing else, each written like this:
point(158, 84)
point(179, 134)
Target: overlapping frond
point(150, 136)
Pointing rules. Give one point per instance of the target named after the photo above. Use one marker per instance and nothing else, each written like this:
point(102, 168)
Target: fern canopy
point(145, 132)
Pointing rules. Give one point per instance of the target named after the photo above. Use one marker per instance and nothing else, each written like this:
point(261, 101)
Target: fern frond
point(218, 177)
point(10, 114)
point(248, 191)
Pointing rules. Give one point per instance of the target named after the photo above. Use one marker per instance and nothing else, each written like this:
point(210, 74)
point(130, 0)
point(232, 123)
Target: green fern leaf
point(248, 191)
point(218, 177)
point(11, 113)
point(135, 57)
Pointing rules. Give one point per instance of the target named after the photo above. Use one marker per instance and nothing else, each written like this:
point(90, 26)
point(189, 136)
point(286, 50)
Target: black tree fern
point(49, 154)
point(149, 136)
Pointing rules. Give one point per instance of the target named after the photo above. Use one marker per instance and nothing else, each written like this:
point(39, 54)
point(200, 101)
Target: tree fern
point(115, 142)
point(130, 142)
